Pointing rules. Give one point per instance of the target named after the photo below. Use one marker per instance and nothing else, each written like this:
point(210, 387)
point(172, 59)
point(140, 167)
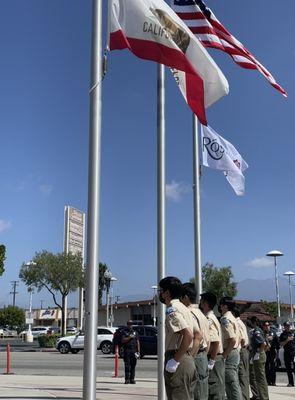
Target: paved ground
point(30, 363)
point(51, 375)
point(21, 387)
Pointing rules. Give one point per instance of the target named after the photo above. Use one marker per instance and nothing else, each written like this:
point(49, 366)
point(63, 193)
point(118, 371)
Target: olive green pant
point(181, 384)
point(232, 386)
point(258, 381)
point(244, 374)
point(201, 362)
point(216, 380)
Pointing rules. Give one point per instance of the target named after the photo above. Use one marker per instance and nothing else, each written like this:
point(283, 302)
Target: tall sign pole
point(74, 242)
point(161, 220)
point(92, 256)
point(197, 213)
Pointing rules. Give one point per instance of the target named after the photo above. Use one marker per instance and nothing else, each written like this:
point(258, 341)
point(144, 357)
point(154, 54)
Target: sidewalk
point(24, 387)
point(20, 387)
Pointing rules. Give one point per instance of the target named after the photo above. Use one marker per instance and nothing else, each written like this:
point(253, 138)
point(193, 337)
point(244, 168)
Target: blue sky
point(44, 80)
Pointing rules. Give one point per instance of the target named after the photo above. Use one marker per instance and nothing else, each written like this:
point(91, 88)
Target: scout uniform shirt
point(243, 332)
point(229, 329)
point(178, 317)
point(215, 330)
point(257, 339)
point(203, 324)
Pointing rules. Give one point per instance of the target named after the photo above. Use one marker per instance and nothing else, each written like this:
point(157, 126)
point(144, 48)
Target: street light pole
point(275, 254)
point(113, 279)
point(155, 288)
point(289, 274)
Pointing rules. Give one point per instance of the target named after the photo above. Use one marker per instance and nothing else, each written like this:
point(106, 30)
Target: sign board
point(29, 321)
point(74, 231)
point(48, 314)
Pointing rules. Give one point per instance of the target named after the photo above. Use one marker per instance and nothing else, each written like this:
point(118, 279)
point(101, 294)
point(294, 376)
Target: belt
point(172, 352)
point(218, 354)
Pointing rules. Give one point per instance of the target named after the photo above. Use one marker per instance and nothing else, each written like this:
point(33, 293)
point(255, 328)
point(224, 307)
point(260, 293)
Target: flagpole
point(92, 258)
point(161, 220)
point(197, 213)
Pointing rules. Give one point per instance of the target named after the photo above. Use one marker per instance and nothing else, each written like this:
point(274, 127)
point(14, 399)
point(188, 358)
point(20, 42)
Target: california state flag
point(151, 30)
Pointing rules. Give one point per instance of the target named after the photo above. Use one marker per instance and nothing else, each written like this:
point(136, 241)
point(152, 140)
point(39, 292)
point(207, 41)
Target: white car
point(72, 329)
point(36, 331)
point(75, 343)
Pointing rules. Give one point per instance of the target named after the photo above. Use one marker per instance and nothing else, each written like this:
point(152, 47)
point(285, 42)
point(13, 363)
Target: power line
point(14, 292)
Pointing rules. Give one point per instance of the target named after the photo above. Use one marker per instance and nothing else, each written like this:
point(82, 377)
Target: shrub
point(48, 341)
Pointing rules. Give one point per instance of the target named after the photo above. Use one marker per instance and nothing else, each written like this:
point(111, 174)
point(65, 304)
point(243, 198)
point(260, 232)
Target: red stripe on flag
point(203, 30)
point(190, 15)
point(149, 50)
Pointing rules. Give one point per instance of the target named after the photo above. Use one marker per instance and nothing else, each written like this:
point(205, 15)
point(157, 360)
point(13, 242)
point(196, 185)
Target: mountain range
point(248, 289)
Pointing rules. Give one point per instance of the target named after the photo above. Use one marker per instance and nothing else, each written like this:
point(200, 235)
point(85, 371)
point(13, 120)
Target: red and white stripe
point(213, 34)
point(147, 28)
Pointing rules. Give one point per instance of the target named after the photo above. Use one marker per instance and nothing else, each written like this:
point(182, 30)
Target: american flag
point(211, 33)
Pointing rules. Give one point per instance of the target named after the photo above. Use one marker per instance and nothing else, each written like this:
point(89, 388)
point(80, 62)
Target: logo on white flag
point(215, 149)
point(220, 154)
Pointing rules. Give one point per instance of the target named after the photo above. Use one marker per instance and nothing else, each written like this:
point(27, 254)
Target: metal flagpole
point(161, 242)
point(197, 213)
point(277, 291)
point(91, 306)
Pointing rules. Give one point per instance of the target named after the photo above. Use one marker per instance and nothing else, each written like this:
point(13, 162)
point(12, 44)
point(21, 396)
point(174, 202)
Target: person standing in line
point(215, 359)
point(258, 381)
point(189, 299)
point(287, 340)
point(230, 333)
point(244, 356)
point(181, 340)
point(131, 346)
point(272, 350)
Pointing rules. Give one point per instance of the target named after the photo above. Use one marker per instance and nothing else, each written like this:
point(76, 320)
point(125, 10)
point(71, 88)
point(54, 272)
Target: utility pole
point(14, 292)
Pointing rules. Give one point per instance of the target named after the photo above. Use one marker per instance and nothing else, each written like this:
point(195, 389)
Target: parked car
point(72, 329)
point(147, 339)
point(36, 331)
point(54, 330)
point(75, 343)
point(7, 333)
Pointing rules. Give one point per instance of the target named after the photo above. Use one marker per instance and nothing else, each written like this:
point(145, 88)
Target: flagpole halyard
point(197, 208)
point(92, 258)
point(161, 221)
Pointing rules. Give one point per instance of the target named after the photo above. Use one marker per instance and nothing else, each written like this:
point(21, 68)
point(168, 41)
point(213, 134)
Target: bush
point(48, 341)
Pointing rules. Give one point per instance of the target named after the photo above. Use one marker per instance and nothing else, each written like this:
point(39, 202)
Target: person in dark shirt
point(272, 349)
point(287, 340)
point(131, 348)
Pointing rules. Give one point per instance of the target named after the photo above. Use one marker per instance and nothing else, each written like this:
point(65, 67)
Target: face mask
point(161, 298)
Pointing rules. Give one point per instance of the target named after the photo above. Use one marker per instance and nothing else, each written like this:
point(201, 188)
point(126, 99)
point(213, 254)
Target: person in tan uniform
point(181, 340)
point(244, 356)
point(189, 299)
point(231, 355)
point(215, 359)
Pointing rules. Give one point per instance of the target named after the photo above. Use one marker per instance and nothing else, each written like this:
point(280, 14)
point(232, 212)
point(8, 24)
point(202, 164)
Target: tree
point(13, 317)
point(270, 308)
point(2, 258)
point(60, 274)
point(103, 268)
point(218, 281)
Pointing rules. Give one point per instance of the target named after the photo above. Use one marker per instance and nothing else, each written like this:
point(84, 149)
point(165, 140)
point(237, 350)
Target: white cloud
point(4, 225)
point(176, 190)
point(46, 189)
point(260, 262)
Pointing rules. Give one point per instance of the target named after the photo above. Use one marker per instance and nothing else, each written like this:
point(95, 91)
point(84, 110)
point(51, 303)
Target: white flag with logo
point(220, 154)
